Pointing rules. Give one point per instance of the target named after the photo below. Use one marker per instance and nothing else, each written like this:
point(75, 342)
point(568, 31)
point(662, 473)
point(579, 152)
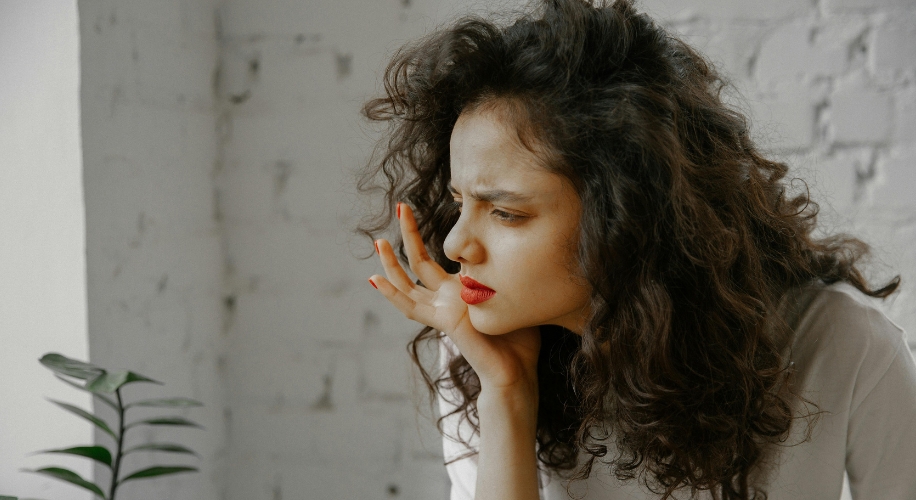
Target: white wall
point(42, 247)
point(154, 247)
point(318, 374)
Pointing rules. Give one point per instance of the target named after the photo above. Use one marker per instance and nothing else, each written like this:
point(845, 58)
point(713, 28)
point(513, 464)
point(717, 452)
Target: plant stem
point(117, 457)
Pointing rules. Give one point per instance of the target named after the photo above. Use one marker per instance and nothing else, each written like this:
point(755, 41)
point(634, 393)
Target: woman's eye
point(501, 215)
point(506, 216)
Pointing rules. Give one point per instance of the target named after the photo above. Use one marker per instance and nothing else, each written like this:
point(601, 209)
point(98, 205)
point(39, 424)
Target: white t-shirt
point(851, 360)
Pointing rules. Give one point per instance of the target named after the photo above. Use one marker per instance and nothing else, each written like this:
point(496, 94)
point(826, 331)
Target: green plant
point(106, 387)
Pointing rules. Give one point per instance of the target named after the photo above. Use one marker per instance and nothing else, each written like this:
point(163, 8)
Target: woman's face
point(517, 231)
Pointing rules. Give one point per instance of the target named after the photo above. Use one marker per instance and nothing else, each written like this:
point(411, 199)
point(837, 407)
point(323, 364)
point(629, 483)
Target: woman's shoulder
point(854, 364)
point(841, 335)
point(840, 313)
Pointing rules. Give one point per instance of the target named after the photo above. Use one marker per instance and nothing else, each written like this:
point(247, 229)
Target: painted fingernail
point(399, 210)
point(376, 247)
point(373, 284)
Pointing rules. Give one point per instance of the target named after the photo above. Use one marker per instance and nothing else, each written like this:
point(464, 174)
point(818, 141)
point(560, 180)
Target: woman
point(629, 303)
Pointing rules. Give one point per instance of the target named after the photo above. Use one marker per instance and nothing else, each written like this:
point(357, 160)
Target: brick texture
point(895, 45)
point(870, 5)
point(153, 246)
point(860, 113)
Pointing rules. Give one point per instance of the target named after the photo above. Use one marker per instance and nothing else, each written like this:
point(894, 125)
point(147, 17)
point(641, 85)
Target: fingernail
point(373, 284)
point(376, 247)
point(399, 210)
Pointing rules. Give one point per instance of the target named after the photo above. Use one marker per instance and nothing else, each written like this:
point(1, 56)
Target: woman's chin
point(489, 325)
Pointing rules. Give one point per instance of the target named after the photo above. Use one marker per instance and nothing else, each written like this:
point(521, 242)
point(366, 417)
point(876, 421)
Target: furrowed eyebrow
point(494, 195)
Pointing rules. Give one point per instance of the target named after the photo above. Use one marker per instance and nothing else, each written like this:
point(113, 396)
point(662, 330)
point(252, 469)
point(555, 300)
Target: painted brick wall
point(318, 375)
point(220, 194)
point(155, 262)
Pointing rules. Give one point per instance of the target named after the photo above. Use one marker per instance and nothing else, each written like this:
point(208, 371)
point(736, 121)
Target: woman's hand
point(502, 362)
point(505, 364)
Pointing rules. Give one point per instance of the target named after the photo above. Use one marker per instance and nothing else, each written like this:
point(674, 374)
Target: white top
point(851, 360)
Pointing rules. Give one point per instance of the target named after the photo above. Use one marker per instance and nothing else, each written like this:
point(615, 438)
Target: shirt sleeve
point(460, 459)
point(881, 440)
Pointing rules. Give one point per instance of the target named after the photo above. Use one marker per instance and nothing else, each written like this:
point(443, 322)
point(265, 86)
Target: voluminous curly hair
point(688, 237)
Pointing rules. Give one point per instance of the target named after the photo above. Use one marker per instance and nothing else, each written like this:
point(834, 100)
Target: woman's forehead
point(508, 177)
point(485, 152)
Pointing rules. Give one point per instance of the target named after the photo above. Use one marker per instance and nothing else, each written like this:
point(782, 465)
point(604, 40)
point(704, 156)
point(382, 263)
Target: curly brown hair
point(688, 237)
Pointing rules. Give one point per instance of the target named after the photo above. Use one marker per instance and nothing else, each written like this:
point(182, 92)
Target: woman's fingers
point(393, 268)
point(429, 272)
point(415, 302)
point(410, 308)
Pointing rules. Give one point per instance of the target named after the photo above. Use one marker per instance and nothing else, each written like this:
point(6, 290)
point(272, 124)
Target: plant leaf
point(110, 382)
point(167, 403)
point(97, 453)
point(165, 447)
point(165, 421)
point(70, 477)
point(7, 498)
point(158, 470)
point(71, 367)
point(88, 416)
point(104, 399)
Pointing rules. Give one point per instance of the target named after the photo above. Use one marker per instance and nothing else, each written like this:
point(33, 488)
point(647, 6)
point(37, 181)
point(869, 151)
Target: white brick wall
point(220, 140)
point(318, 374)
point(859, 113)
point(155, 264)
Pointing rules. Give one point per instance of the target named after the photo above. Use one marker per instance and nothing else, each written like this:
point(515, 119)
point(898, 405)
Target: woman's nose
point(461, 245)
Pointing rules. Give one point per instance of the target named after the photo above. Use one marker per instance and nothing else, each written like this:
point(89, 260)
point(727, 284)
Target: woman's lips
point(474, 292)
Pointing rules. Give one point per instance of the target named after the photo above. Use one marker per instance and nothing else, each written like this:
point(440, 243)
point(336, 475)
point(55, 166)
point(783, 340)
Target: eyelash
point(499, 214)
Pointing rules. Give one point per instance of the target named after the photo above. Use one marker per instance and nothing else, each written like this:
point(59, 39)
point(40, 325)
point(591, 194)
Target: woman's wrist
point(517, 404)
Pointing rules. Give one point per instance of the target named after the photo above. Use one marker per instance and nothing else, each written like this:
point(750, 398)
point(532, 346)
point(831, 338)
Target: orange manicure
point(376, 248)
point(373, 284)
point(399, 210)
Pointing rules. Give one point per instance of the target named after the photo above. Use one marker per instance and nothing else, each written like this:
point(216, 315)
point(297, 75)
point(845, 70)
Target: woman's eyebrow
point(494, 195)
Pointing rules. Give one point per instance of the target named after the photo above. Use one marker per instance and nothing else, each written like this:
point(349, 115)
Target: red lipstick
point(474, 292)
